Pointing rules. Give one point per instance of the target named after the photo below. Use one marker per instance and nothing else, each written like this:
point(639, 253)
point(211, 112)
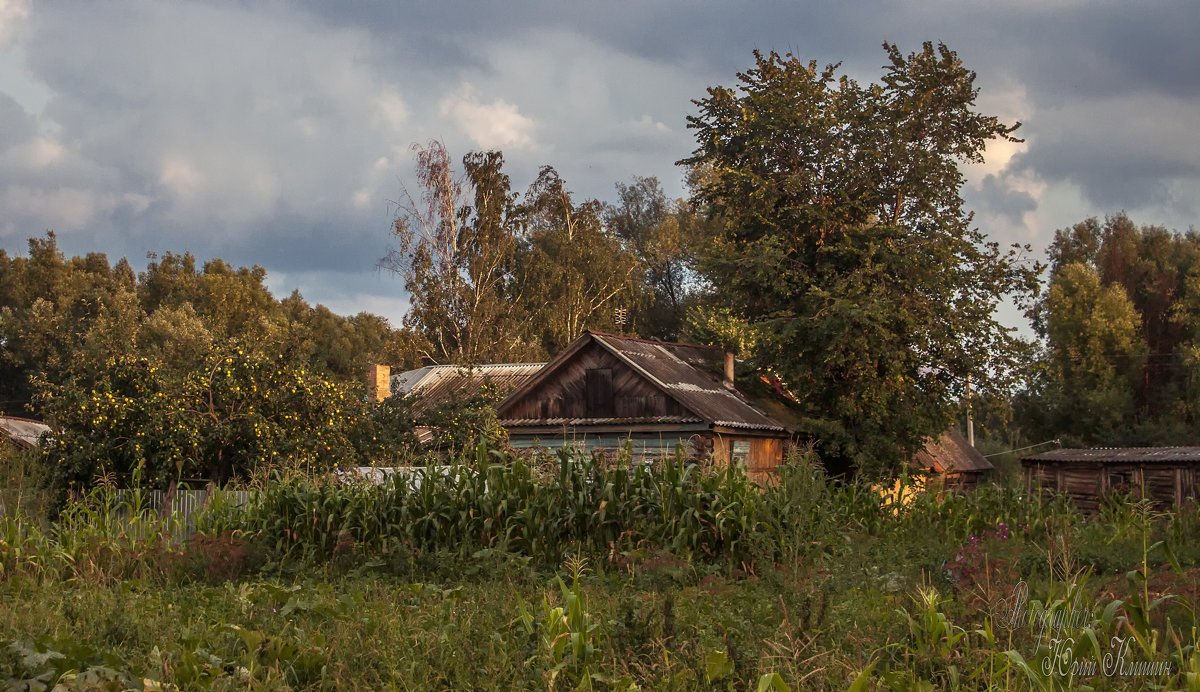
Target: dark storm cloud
point(1097, 49)
point(997, 197)
point(301, 244)
point(1113, 177)
point(16, 126)
point(703, 36)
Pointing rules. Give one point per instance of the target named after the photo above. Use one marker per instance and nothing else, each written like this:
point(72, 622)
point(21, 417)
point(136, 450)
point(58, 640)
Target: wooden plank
point(599, 393)
point(1160, 485)
point(720, 449)
point(765, 453)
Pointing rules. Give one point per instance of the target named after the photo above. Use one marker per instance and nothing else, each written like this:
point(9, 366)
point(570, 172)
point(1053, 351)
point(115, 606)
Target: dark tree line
point(1120, 320)
point(186, 372)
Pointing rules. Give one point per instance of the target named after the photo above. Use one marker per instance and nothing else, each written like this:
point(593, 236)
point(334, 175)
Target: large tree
point(846, 248)
point(1120, 322)
point(574, 272)
point(663, 234)
point(456, 245)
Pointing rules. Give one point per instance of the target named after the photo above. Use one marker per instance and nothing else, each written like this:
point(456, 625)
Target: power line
point(1020, 449)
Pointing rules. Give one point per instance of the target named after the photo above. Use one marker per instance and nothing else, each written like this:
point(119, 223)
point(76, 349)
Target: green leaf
point(716, 666)
point(772, 682)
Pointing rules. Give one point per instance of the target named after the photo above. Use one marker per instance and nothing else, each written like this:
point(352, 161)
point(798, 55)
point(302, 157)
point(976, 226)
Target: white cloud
point(390, 111)
point(379, 174)
point(65, 209)
point(180, 177)
point(1008, 101)
point(12, 14)
point(495, 125)
point(647, 125)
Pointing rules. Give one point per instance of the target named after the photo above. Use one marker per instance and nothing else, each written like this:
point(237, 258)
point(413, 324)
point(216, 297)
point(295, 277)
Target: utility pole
point(970, 423)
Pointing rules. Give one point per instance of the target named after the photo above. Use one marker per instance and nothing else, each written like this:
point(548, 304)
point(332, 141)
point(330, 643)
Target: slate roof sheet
point(1121, 455)
point(434, 385)
point(23, 431)
point(517, 422)
point(950, 453)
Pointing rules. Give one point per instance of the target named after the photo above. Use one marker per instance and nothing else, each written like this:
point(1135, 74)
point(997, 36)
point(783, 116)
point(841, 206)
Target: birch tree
point(456, 241)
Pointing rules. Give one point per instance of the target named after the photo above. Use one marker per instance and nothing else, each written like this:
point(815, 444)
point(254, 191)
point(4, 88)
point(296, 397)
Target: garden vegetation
point(561, 572)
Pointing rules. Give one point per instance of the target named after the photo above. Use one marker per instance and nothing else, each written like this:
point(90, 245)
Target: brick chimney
point(728, 381)
point(379, 382)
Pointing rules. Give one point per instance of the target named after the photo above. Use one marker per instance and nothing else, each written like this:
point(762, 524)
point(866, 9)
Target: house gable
point(590, 382)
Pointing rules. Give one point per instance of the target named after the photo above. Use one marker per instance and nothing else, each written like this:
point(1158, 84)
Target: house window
point(599, 393)
point(739, 452)
point(1121, 481)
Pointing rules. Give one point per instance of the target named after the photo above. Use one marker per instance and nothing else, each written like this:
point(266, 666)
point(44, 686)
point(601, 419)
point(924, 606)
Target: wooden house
point(605, 391)
point(953, 460)
point(1166, 475)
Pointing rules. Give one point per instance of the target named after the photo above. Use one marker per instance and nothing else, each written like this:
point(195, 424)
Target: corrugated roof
point(23, 431)
point(438, 384)
point(690, 374)
point(951, 453)
point(598, 421)
point(1120, 455)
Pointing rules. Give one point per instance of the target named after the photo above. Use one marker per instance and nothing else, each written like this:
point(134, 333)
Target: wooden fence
point(180, 513)
point(185, 505)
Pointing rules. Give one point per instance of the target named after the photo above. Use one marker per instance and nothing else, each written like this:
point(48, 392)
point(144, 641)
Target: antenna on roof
point(620, 316)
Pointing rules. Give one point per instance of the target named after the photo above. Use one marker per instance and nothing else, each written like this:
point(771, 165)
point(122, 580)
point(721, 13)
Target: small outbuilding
point(435, 385)
point(953, 460)
point(1166, 475)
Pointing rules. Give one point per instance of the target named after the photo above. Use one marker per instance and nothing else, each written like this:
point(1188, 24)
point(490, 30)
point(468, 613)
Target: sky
point(279, 134)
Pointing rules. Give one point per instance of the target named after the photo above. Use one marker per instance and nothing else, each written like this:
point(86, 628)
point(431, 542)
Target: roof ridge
point(483, 365)
point(652, 341)
point(638, 368)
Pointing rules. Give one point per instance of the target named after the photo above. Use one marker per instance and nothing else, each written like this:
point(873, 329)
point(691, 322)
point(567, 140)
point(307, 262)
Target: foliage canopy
point(846, 249)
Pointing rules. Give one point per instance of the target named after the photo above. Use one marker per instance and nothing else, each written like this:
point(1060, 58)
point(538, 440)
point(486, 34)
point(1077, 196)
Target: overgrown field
point(568, 573)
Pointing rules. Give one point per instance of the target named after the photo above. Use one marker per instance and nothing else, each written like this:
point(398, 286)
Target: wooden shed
point(953, 460)
point(605, 391)
point(1167, 475)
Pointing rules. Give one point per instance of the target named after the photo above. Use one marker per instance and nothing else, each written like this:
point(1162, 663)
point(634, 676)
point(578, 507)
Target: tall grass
point(548, 507)
point(542, 508)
